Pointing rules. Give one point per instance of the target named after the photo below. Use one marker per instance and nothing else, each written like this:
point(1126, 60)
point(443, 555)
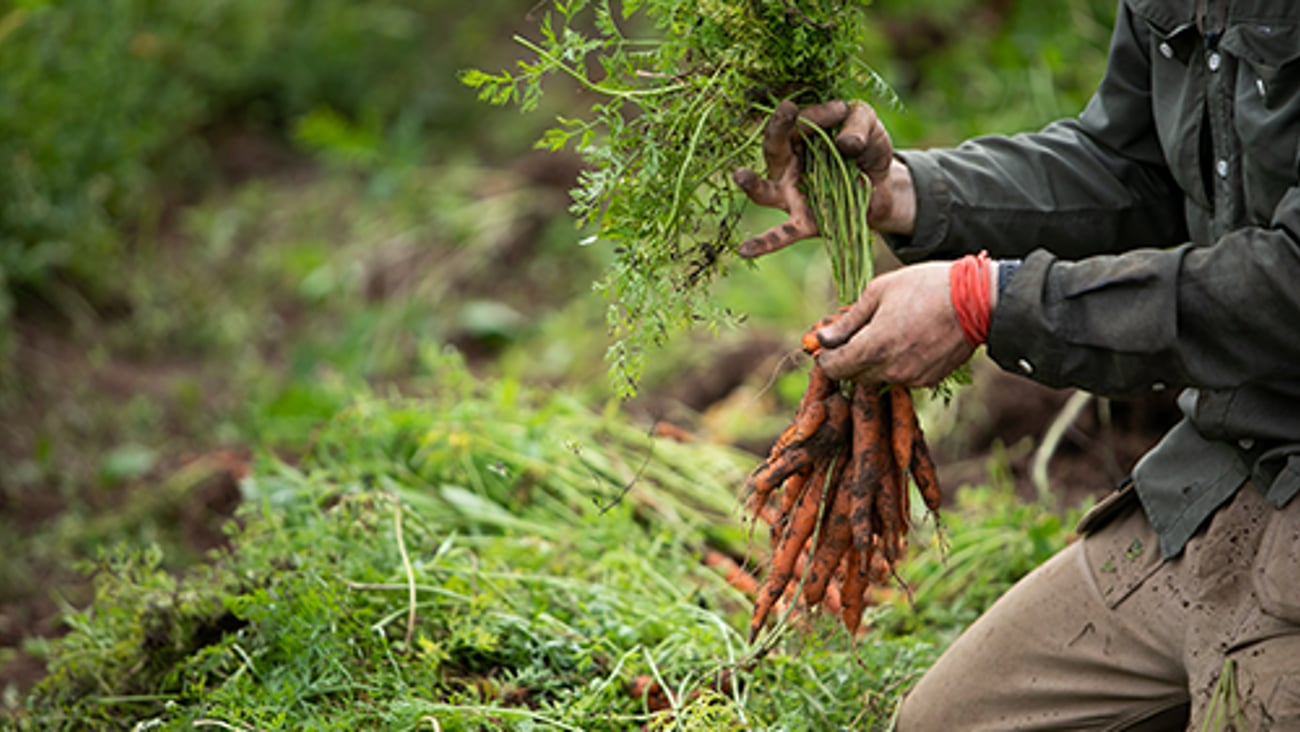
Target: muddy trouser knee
point(1108, 636)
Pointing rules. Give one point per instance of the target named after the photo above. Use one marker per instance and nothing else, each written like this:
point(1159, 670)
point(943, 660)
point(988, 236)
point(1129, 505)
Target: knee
point(918, 712)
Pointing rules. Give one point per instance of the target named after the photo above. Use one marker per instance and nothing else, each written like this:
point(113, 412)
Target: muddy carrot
point(833, 540)
point(805, 424)
point(819, 386)
point(926, 477)
point(793, 490)
point(802, 522)
point(902, 428)
point(867, 454)
point(853, 595)
point(811, 344)
point(888, 511)
point(832, 602)
point(794, 487)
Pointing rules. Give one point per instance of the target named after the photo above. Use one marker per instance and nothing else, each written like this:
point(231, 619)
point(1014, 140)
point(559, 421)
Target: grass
point(489, 557)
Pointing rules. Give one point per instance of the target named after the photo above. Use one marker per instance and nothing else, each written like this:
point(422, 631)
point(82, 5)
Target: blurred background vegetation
point(224, 222)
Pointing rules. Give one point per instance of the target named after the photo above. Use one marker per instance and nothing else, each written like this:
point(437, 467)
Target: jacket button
point(1166, 50)
point(1221, 168)
point(1214, 61)
point(1025, 366)
point(1158, 386)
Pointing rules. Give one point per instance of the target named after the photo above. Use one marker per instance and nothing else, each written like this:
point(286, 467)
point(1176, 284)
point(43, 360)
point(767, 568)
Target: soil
point(64, 380)
point(53, 370)
point(1009, 415)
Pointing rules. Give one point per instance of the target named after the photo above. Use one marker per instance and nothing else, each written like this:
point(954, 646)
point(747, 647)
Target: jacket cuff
point(1108, 324)
point(933, 209)
point(1020, 333)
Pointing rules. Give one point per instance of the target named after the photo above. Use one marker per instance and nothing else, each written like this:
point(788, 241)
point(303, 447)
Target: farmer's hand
point(903, 330)
point(861, 138)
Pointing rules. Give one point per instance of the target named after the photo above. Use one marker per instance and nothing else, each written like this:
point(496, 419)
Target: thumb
point(851, 321)
point(864, 138)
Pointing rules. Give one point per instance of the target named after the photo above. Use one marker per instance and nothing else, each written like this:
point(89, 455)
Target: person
point(1151, 243)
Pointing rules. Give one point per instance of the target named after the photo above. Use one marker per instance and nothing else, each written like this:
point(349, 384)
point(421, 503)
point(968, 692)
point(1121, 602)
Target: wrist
point(972, 287)
point(1003, 271)
point(900, 214)
point(995, 285)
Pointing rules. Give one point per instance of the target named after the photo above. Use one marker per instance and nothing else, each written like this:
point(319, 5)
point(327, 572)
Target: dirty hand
point(861, 138)
point(902, 330)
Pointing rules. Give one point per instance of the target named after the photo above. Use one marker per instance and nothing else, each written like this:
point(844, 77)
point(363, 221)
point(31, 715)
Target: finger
point(853, 360)
point(851, 321)
point(864, 139)
point(826, 115)
point(777, 150)
point(799, 226)
point(796, 228)
point(760, 190)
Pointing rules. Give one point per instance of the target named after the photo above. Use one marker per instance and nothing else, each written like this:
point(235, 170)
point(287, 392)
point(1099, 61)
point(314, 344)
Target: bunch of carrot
point(834, 490)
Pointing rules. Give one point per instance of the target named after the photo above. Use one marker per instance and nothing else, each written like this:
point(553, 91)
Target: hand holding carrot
point(902, 330)
point(835, 491)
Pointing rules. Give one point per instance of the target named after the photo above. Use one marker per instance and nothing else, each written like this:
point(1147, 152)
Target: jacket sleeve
point(1109, 298)
point(1218, 317)
point(1092, 185)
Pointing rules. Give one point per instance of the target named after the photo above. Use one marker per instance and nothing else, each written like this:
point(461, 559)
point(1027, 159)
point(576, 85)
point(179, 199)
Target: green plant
point(114, 112)
point(680, 87)
point(485, 558)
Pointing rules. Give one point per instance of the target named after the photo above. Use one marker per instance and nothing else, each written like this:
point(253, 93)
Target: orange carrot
point(806, 421)
point(916, 455)
point(833, 602)
point(809, 415)
point(902, 429)
point(803, 453)
point(735, 574)
point(810, 342)
point(856, 583)
point(819, 386)
point(888, 511)
point(868, 453)
point(835, 536)
point(794, 487)
point(924, 473)
point(673, 432)
point(803, 520)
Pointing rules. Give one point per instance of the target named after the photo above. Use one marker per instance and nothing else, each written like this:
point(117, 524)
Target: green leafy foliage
point(481, 559)
point(679, 88)
point(485, 558)
point(112, 111)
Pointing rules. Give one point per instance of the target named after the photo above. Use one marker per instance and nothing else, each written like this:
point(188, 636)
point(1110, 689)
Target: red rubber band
point(968, 282)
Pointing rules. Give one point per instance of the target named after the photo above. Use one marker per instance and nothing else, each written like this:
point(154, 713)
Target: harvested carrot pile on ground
point(834, 490)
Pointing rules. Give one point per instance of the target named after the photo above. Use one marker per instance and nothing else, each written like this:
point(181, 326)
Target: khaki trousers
point(1107, 636)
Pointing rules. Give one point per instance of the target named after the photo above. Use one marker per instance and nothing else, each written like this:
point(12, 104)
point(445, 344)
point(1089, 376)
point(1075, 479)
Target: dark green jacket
point(1160, 238)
